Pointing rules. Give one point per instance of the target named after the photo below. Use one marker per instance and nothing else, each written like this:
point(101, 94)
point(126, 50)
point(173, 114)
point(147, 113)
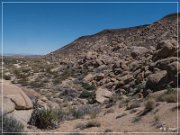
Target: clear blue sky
point(42, 28)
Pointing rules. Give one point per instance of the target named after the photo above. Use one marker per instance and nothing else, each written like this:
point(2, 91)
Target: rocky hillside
point(120, 40)
point(128, 75)
point(122, 59)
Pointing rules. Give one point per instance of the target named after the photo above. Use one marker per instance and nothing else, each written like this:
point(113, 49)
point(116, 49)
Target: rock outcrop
point(15, 102)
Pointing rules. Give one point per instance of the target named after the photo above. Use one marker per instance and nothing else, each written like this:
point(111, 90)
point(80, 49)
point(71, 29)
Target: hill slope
point(109, 40)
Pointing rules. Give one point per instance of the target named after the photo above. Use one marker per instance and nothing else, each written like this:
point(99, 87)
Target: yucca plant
point(47, 119)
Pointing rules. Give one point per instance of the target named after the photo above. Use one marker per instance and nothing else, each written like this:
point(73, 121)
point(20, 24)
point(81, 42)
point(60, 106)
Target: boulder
point(99, 76)
point(157, 81)
point(126, 79)
point(173, 67)
point(162, 64)
point(8, 105)
point(103, 94)
point(22, 116)
point(101, 68)
point(90, 56)
point(135, 65)
point(16, 103)
point(138, 51)
point(98, 63)
point(88, 77)
point(17, 96)
point(165, 48)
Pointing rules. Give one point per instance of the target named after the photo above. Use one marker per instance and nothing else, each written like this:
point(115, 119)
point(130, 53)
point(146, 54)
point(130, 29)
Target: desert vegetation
point(122, 80)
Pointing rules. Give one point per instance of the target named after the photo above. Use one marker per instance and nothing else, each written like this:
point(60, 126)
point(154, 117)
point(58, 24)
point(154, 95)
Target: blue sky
point(42, 28)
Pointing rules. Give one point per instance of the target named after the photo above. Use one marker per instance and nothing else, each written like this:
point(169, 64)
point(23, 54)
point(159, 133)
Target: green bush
point(87, 94)
point(87, 86)
point(90, 96)
point(11, 125)
point(47, 119)
point(169, 90)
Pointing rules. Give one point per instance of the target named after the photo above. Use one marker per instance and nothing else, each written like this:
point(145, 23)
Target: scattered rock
point(138, 51)
point(89, 77)
point(103, 94)
point(165, 48)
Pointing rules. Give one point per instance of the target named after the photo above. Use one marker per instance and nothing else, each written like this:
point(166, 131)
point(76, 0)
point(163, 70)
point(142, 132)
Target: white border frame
point(158, 2)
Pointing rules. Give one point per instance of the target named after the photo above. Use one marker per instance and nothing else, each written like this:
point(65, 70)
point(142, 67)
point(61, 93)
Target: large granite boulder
point(16, 103)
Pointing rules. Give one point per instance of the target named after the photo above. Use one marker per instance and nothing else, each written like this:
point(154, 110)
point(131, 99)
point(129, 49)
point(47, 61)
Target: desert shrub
point(124, 102)
point(68, 93)
point(114, 99)
point(87, 94)
point(47, 119)
point(87, 86)
point(16, 72)
point(95, 111)
point(80, 112)
point(37, 69)
point(49, 69)
point(61, 115)
point(21, 72)
point(12, 125)
point(169, 89)
point(56, 81)
point(7, 77)
point(23, 82)
point(90, 96)
point(150, 104)
point(67, 73)
point(36, 84)
point(156, 118)
point(84, 110)
point(25, 70)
